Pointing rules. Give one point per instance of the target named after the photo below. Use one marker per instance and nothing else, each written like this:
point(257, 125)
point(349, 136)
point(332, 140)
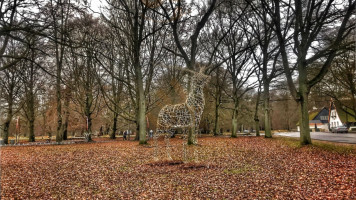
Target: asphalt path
point(349, 138)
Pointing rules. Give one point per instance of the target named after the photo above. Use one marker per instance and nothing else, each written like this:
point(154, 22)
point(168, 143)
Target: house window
point(337, 123)
point(324, 117)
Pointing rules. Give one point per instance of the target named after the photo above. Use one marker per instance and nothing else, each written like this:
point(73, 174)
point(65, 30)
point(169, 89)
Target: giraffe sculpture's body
point(184, 115)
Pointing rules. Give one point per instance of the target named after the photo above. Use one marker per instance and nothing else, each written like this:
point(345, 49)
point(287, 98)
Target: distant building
point(341, 116)
point(318, 120)
point(327, 118)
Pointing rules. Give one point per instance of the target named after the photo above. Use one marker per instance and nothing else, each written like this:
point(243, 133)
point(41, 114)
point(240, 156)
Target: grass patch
point(241, 170)
point(290, 142)
point(321, 145)
point(338, 148)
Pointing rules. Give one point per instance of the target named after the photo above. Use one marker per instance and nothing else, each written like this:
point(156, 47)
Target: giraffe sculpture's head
point(199, 78)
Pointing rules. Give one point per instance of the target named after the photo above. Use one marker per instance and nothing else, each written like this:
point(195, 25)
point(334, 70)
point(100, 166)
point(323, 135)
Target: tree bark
point(65, 126)
point(257, 120)
point(6, 130)
point(267, 111)
point(31, 137)
point(191, 136)
point(234, 121)
point(31, 116)
point(66, 114)
point(114, 127)
point(89, 121)
point(304, 116)
point(141, 115)
point(217, 103)
point(191, 130)
point(216, 126)
point(31, 101)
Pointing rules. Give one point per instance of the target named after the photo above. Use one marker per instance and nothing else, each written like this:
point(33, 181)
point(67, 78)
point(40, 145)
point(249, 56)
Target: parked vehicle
point(339, 129)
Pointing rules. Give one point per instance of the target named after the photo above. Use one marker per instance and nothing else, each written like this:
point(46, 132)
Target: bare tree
point(236, 52)
point(10, 83)
point(139, 31)
point(309, 21)
point(59, 12)
point(257, 105)
point(86, 96)
point(10, 24)
point(259, 28)
point(340, 84)
point(176, 13)
point(111, 85)
point(30, 78)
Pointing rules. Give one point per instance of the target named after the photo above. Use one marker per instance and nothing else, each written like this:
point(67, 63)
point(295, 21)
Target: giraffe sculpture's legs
point(185, 141)
point(166, 139)
point(196, 130)
point(155, 139)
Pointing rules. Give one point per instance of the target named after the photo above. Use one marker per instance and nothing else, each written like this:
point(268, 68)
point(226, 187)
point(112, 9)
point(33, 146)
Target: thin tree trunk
point(257, 120)
point(66, 114)
point(65, 128)
point(191, 130)
point(114, 127)
point(217, 103)
point(191, 135)
point(216, 126)
point(267, 111)
point(141, 115)
point(6, 130)
point(31, 116)
point(89, 127)
point(234, 121)
point(31, 102)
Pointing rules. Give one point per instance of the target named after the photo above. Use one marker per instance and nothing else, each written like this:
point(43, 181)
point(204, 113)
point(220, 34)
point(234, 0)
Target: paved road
point(332, 137)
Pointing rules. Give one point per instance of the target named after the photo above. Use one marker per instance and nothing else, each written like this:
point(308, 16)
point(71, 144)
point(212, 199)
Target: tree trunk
point(66, 115)
point(191, 130)
point(31, 137)
point(59, 134)
point(217, 102)
point(114, 127)
point(65, 129)
point(6, 131)
point(304, 119)
point(141, 115)
point(31, 116)
point(216, 126)
point(191, 136)
point(137, 136)
point(234, 122)
point(267, 111)
point(89, 127)
point(257, 126)
point(257, 120)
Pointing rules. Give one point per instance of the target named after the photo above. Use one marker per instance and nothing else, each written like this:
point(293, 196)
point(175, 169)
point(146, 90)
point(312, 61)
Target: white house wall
point(334, 122)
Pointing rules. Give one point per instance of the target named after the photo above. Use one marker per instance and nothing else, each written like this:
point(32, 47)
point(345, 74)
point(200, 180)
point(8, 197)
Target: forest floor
point(222, 168)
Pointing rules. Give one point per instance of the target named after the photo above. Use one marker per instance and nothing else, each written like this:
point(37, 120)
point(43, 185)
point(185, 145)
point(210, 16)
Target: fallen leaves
point(223, 168)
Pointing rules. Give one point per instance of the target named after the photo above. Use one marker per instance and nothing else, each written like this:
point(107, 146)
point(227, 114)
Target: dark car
point(339, 129)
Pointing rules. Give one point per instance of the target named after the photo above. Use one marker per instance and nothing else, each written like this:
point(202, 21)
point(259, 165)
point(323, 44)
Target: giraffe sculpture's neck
point(196, 96)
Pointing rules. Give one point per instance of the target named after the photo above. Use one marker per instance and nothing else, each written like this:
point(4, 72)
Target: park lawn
point(224, 168)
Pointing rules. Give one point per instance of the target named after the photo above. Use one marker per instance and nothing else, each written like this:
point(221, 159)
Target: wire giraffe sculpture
point(184, 115)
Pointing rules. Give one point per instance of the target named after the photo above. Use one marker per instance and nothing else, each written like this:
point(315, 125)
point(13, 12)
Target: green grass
point(241, 170)
point(322, 145)
point(343, 149)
